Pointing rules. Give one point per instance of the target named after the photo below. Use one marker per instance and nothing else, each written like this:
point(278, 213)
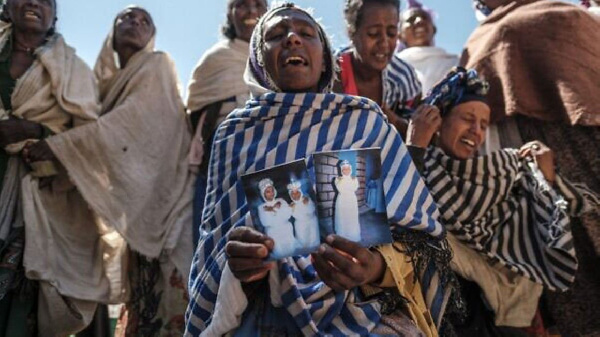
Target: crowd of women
point(115, 191)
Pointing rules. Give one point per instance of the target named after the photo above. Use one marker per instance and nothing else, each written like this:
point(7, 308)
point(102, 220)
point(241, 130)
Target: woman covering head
point(217, 87)
point(292, 115)
point(417, 34)
point(306, 223)
point(508, 213)
point(45, 89)
point(131, 177)
point(541, 93)
point(369, 67)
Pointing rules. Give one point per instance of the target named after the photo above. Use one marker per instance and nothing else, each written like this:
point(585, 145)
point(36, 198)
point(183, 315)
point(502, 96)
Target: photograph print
point(283, 206)
point(350, 196)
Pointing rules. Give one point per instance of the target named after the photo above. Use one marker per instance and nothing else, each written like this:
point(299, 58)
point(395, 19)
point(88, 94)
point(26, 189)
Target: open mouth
point(468, 142)
point(250, 22)
point(296, 61)
point(382, 57)
point(31, 15)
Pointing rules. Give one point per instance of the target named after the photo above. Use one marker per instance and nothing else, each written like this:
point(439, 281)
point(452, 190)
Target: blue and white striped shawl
point(276, 128)
point(497, 206)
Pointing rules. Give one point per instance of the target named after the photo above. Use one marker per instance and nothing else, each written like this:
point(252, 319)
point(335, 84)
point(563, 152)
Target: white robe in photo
point(431, 63)
point(346, 220)
point(307, 224)
point(278, 226)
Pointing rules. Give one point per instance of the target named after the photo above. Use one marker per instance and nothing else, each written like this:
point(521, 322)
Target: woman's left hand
point(343, 264)
point(544, 156)
point(39, 151)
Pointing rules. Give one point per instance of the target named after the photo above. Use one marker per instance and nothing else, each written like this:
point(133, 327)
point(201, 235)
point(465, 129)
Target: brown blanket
point(542, 59)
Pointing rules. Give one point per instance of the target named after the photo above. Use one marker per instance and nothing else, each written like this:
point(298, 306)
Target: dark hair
point(353, 11)
point(228, 29)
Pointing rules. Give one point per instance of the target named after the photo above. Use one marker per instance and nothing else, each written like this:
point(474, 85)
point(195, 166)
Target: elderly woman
point(44, 89)
point(417, 34)
point(131, 177)
point(217, 87)
point(342, 289)
point(508, 213)
point(540, 93)
point(370, 68)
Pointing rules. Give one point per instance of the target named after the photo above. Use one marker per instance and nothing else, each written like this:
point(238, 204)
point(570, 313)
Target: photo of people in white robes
point(346, 218)
point(306, 223)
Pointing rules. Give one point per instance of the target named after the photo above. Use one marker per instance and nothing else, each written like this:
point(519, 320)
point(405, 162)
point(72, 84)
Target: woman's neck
point(125, 54)
point(363, 73)
point(25, 41)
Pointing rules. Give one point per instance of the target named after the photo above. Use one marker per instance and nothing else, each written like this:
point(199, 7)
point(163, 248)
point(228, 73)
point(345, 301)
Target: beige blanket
point(542, 59)
point(61, 245)
point(130, 166)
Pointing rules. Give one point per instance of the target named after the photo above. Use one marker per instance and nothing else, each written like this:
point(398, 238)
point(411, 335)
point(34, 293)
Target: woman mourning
point(508, 213)
point(370, 67)
point(541, 93)
point(45, 89)
point(217, 87)
point(342, 289)
point(131, 167)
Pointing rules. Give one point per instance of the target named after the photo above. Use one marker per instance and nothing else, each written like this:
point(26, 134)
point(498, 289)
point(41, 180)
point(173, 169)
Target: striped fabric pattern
point(400, 83)
point(497, 206)
point(276, 128)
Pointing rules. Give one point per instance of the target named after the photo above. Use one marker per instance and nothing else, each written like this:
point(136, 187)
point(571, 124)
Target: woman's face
point(417, 29)
point(463, 129)
point(133, 29)
point(296, 195)
point(244, 15)
point(35, 16)
point(346, 170)
point(269, 193)
point(376, 35)
point(293, 51)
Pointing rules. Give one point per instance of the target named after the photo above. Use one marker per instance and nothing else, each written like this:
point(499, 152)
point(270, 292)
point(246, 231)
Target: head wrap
point(108, 65)
point(342, 164)
point(459, 86)
point(586, 3)
point(295, 185)
point(256, 75)
point(415, 4)
point(264, 184)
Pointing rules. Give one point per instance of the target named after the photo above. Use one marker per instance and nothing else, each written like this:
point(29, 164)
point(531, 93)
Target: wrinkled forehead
point(137, 10)
point(288, 16)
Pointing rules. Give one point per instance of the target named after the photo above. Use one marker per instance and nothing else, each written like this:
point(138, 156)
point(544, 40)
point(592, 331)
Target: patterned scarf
point(500, 206)
point(276, 128)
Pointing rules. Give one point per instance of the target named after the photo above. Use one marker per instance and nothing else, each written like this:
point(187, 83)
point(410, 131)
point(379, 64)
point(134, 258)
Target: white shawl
point(431, 63)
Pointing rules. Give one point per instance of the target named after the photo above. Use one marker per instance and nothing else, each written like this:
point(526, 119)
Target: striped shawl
point(497, 206)
point(276, 128)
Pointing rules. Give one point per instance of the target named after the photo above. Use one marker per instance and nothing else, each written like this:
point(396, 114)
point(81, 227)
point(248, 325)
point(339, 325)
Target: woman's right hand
point(246, 251)
point(425, 122)
point(15, 130)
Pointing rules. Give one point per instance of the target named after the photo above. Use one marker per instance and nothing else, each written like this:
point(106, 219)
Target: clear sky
point(187, 28)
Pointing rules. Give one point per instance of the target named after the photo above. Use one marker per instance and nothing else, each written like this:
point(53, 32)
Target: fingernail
point(330, 239)
point(322, 249)
point(262, 251)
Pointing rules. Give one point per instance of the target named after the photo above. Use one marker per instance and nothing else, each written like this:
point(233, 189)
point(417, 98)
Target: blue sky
point(187, 28)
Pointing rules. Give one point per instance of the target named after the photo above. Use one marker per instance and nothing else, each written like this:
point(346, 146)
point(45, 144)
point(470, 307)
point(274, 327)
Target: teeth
point(31, 14)
point(380, 56)
point(250, 22)
point(294, 59)
point(468, 142)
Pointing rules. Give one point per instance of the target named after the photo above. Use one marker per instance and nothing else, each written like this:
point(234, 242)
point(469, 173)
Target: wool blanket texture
point(275, 128)
point(541, 59)
point(130, 166)
point(59, 92)
point(499, 206)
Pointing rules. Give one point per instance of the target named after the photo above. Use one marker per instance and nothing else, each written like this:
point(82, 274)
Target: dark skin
point(32, 20)
point(340, 263)
point(417, 28)
point(244, 15)
point(133, 30)
point(293, 51)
